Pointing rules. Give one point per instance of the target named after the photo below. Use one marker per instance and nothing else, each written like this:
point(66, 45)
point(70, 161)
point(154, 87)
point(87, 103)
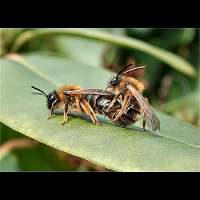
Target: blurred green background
point(167, 89)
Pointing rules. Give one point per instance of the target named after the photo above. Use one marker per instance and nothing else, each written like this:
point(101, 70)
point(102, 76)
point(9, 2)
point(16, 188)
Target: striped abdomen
point(100, 103)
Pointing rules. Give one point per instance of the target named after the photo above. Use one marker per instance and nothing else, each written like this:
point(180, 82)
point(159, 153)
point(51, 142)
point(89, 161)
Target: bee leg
point(112, 102)
point(143, 124)
point(125, 105)
point(89, 111)
point(51, 116)
point(65, 114)
point(50, 113)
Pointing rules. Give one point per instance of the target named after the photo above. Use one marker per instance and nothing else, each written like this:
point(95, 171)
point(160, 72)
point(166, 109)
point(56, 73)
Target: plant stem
point(169, 58)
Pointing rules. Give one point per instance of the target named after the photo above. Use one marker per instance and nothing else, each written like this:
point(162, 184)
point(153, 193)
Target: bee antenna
point(39, 90)
point(130, 70)
point(119, 74)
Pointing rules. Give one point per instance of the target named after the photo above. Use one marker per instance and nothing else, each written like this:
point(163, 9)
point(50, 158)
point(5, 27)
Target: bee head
point(52, 100)
point(112, 84)
point(123, 72)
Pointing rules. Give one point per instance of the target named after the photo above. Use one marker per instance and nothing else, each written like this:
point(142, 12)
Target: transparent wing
point(88, 91)
point(148, 114)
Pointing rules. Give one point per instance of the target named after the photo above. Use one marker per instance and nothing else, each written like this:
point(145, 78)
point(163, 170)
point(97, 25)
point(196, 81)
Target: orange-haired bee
point(90, 101)
point(59, 99)
point(129, 91)
point(100, 100)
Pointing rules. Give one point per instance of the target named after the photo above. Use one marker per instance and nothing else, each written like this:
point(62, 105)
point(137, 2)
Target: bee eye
point(114, 82)
point(52, 99)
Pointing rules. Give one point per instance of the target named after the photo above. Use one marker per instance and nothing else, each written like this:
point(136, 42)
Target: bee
point(76, 102)
point(100, 101)
point(90, 101)
point(129, 91)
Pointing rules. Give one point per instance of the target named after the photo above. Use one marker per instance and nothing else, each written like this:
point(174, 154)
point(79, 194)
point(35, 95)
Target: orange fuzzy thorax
point(137, 84)
point(67, 87)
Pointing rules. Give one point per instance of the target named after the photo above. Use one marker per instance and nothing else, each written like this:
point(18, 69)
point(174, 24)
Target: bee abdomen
point(91, 99)
point(98, 102)
point(102, 103)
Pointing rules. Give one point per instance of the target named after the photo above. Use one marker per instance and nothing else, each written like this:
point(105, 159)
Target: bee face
point(114, 82)
point(52, 99)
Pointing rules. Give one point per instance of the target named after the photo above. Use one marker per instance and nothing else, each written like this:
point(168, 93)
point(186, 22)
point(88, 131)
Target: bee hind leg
point(125, 105)
point(112, 102)
point(89, 111)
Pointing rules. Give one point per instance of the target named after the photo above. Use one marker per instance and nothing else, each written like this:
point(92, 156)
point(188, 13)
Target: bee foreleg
point(89, 111)
point(125, 105)
point(50, 113)
point(143, 124)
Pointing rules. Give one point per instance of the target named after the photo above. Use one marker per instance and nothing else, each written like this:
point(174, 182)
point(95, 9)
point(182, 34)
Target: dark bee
point(129, 91)
point(100, 101)
point(72, 98)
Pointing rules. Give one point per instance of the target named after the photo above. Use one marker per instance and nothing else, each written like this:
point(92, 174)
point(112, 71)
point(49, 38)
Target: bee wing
point(147, 113)
point(88, 91)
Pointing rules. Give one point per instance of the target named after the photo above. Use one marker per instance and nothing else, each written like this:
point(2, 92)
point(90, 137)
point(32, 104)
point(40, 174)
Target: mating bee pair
point(121, 101)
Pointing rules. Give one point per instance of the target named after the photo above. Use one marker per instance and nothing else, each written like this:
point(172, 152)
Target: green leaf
point(37, 157)
point(170, 39)
point(169, 58)
point(174, 148)
point(40, 158)
point(6, 134)
point(8, 162)
point(7, 37)
point(140, 32)
point(189, 100)
point(179, 36)
point(75, 48)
